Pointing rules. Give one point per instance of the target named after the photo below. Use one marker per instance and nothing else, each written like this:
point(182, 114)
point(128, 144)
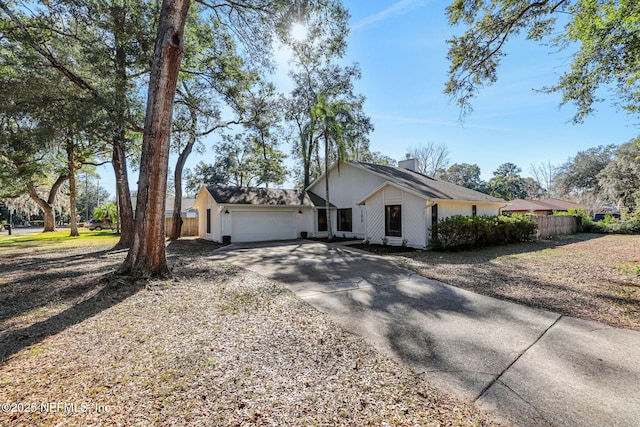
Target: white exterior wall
point(222, 223)
point(305, 221)
point(489, 209)
point(346, 188)
point(451, 208)
point(204, 202)
point(375, 218)
point(414, 217)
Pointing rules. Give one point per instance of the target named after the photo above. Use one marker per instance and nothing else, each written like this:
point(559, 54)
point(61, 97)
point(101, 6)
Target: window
point(474, 210)
point(322, 220)
point(344, 219)
point(208, 221)
point(393, 220)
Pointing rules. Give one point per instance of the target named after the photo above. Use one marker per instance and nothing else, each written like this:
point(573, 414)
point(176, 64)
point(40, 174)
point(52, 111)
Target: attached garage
point(261, 225)
point(245, 214)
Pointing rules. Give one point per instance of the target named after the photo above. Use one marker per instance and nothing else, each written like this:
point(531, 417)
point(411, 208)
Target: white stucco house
point(371, 202)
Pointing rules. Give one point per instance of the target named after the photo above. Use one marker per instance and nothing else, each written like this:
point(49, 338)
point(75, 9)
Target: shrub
point(459, 232)
point(610, 224)
point(586, 224)
point(618, 226)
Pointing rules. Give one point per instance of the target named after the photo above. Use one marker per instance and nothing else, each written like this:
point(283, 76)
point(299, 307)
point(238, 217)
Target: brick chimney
point(409, 163)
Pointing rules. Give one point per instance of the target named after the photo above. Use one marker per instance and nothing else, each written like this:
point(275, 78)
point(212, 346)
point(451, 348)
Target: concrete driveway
point(529, 367)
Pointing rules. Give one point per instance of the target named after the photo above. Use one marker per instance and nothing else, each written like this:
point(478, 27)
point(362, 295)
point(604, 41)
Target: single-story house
point(396, 205)
point(188, 210)
point(606, 210)
point(540, 207)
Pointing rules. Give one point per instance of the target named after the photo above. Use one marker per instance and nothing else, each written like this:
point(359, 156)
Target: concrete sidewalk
point(529, 367)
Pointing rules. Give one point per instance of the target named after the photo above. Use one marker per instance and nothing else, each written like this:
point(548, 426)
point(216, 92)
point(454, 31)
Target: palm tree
point(331, 118)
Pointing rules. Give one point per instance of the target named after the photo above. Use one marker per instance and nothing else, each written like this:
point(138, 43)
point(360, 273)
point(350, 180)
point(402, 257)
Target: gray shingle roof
point(318, 201)
point(541, 205)
point(224, 194)
point(429, 187)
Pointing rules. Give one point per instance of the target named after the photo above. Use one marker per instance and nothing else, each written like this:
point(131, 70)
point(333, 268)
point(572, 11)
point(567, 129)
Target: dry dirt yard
point(588, 276)
point(214, 345)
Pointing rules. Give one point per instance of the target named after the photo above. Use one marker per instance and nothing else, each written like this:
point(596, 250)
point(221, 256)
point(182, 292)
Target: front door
point(434, 223)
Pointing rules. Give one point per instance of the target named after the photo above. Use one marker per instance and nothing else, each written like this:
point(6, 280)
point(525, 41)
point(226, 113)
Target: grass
point(58, 239)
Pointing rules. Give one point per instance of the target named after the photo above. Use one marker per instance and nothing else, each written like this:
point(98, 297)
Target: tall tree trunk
point(326, 184)
point(47, 209)
point(125, 209)
point(147, 255)
point(306, 150)
point(176, 220)
point(306, 161)
point(47, 205)
point(119, 159)
point(72, 186)
point(265, 164)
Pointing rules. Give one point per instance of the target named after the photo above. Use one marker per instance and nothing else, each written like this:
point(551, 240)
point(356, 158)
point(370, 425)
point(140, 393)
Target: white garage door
point(262, 225)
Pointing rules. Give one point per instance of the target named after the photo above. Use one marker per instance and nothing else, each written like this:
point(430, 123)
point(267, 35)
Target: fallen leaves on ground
point(588, 276)
point(214, 345)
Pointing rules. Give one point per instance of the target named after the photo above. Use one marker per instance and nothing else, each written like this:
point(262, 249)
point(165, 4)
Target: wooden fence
point(189, 226)
point(554, 226)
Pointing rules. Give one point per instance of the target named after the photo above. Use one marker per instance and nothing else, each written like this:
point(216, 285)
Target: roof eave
point(263, 206)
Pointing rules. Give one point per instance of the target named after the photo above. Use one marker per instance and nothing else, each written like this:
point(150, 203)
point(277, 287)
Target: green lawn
point(57, 239)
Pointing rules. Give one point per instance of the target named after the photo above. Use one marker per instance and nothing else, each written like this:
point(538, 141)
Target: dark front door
point(434, 223)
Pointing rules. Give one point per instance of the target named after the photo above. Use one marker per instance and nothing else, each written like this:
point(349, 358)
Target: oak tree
point(619, 180)
point(603, 35)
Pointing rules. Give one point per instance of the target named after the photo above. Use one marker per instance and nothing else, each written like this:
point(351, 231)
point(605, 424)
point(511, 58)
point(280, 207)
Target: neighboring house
point(540, 207)
point(369, 202)
point(606, 210)
point(188, 209)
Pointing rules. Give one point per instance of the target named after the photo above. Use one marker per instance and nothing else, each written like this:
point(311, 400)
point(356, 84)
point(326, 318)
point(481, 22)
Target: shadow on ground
point(44, 293)
point(586, 284)
point(466, 340)
point(532, 367)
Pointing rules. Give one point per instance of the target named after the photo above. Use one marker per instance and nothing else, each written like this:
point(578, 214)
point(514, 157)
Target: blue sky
point(401, 48)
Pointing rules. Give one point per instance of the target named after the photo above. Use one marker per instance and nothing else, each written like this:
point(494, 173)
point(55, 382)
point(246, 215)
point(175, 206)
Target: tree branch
point(220, 126)
point(75, 79)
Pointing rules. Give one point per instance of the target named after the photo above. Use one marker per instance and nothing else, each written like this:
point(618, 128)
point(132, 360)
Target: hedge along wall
point(458, 232)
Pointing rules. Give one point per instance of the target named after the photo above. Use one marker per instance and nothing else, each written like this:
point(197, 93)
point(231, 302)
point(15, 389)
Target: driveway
point(527, 366)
